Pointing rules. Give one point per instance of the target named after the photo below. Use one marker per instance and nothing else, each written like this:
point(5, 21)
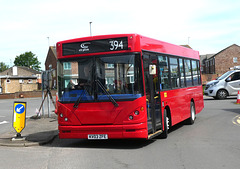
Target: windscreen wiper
point(107, 93)
point(79, 99)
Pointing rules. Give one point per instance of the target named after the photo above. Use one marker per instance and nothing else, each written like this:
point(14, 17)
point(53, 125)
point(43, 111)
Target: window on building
point(110, 65)
point(30, 81)
point(67, 65)
point(235, 60)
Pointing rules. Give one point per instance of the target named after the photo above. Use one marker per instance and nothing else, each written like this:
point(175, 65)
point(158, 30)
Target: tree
point(3, 66)
point(28, 59)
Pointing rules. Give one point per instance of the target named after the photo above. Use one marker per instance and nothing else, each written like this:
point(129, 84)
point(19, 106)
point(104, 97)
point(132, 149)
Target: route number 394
point(116, 45)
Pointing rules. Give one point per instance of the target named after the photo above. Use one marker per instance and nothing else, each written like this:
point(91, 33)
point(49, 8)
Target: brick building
point(19, 79)
point(223, 60)
point(203, 59)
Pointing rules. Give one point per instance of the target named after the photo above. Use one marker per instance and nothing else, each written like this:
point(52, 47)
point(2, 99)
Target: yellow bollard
point(19, 117)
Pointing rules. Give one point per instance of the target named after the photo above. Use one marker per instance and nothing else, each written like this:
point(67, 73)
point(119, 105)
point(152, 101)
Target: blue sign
point(19, 108)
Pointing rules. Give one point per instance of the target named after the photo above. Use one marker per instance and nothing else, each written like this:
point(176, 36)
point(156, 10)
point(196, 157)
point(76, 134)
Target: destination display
point(104, 45)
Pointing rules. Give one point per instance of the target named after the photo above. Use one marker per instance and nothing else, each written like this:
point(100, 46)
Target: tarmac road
point(212, 142)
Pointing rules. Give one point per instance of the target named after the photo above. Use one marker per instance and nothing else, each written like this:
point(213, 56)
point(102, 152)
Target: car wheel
point(222, 94)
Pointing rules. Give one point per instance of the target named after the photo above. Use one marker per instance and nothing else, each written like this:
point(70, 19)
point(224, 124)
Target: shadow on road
point(237, 111)
point(108, 144)
point(206, 98)
point(101, 144)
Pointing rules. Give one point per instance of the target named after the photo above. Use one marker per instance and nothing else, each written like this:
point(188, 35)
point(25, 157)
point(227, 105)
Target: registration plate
point(97, 136)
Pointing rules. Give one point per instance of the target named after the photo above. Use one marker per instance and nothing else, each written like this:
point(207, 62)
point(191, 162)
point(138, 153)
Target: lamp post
point(90, 28)
point(48, 41)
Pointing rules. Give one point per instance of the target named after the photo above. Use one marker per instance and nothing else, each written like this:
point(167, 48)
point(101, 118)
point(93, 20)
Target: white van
point(226, 85)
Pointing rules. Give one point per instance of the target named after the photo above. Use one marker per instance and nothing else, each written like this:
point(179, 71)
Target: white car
point(226, 85)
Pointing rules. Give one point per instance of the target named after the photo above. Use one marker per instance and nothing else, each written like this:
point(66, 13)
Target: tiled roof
point(224, 50)
point(21, 71)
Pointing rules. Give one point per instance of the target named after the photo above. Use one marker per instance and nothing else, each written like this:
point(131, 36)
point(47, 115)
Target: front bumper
point(113, 131)
point(210, 92)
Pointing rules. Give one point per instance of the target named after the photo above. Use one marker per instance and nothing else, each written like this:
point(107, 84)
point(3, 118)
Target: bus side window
point(164, 72)
point(195, 73)
point(188, 72)
point(174, 72)
point(182, 73)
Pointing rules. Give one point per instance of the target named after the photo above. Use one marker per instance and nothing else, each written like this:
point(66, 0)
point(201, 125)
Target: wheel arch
point(192, 100)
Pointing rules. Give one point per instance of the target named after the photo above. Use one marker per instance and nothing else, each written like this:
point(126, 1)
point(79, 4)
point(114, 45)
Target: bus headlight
point(136, 112)
point(130, 117)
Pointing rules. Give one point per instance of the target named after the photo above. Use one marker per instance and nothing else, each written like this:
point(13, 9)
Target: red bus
point(125, 86)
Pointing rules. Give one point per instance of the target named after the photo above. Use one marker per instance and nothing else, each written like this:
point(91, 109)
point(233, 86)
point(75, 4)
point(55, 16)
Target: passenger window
point(164, 73)
point(174, 73)
point(182, 74)
point(188, 72)
point(195, 72)
point(235, 76)
point(198, 70)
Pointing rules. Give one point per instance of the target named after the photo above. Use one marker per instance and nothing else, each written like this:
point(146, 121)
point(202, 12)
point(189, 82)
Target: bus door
point(152, 89)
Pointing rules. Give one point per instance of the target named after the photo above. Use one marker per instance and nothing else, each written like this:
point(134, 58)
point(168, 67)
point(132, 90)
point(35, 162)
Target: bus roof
point(138, 43)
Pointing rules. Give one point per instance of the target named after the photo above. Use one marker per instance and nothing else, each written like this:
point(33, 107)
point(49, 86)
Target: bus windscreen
point(118, 75)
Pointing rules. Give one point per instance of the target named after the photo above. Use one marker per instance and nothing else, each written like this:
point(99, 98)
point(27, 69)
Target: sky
point(208, 26)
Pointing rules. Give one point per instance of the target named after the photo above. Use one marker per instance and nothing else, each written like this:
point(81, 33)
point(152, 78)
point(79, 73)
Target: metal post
point(48, 89)
point(48, 41)
point(90, 28)
point(48, 100)
point(42, 93)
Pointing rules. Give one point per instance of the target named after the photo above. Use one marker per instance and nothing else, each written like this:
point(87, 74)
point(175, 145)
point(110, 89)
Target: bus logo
point(84, 47)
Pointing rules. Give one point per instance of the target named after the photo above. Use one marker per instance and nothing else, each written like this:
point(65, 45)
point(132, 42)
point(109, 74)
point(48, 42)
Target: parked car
point(226, 85)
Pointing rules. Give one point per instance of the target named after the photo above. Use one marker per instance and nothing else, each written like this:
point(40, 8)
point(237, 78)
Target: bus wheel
point(166, 125)
point(192, 117)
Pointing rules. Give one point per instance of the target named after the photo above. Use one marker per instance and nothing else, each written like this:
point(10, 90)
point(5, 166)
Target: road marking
point(236, 120)
point(2, 116)
point(4, 122)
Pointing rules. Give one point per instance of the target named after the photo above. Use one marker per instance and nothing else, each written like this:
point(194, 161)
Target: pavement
point(38, 131)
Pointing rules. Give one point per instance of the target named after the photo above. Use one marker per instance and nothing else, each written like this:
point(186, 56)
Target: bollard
point(19, 117)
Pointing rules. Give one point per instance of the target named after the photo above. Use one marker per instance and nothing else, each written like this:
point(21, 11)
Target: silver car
point(226, 85)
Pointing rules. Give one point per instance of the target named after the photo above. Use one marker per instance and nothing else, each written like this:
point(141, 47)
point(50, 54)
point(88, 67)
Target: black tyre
point(166, 125)
point(222, 94)
point(192, 117)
